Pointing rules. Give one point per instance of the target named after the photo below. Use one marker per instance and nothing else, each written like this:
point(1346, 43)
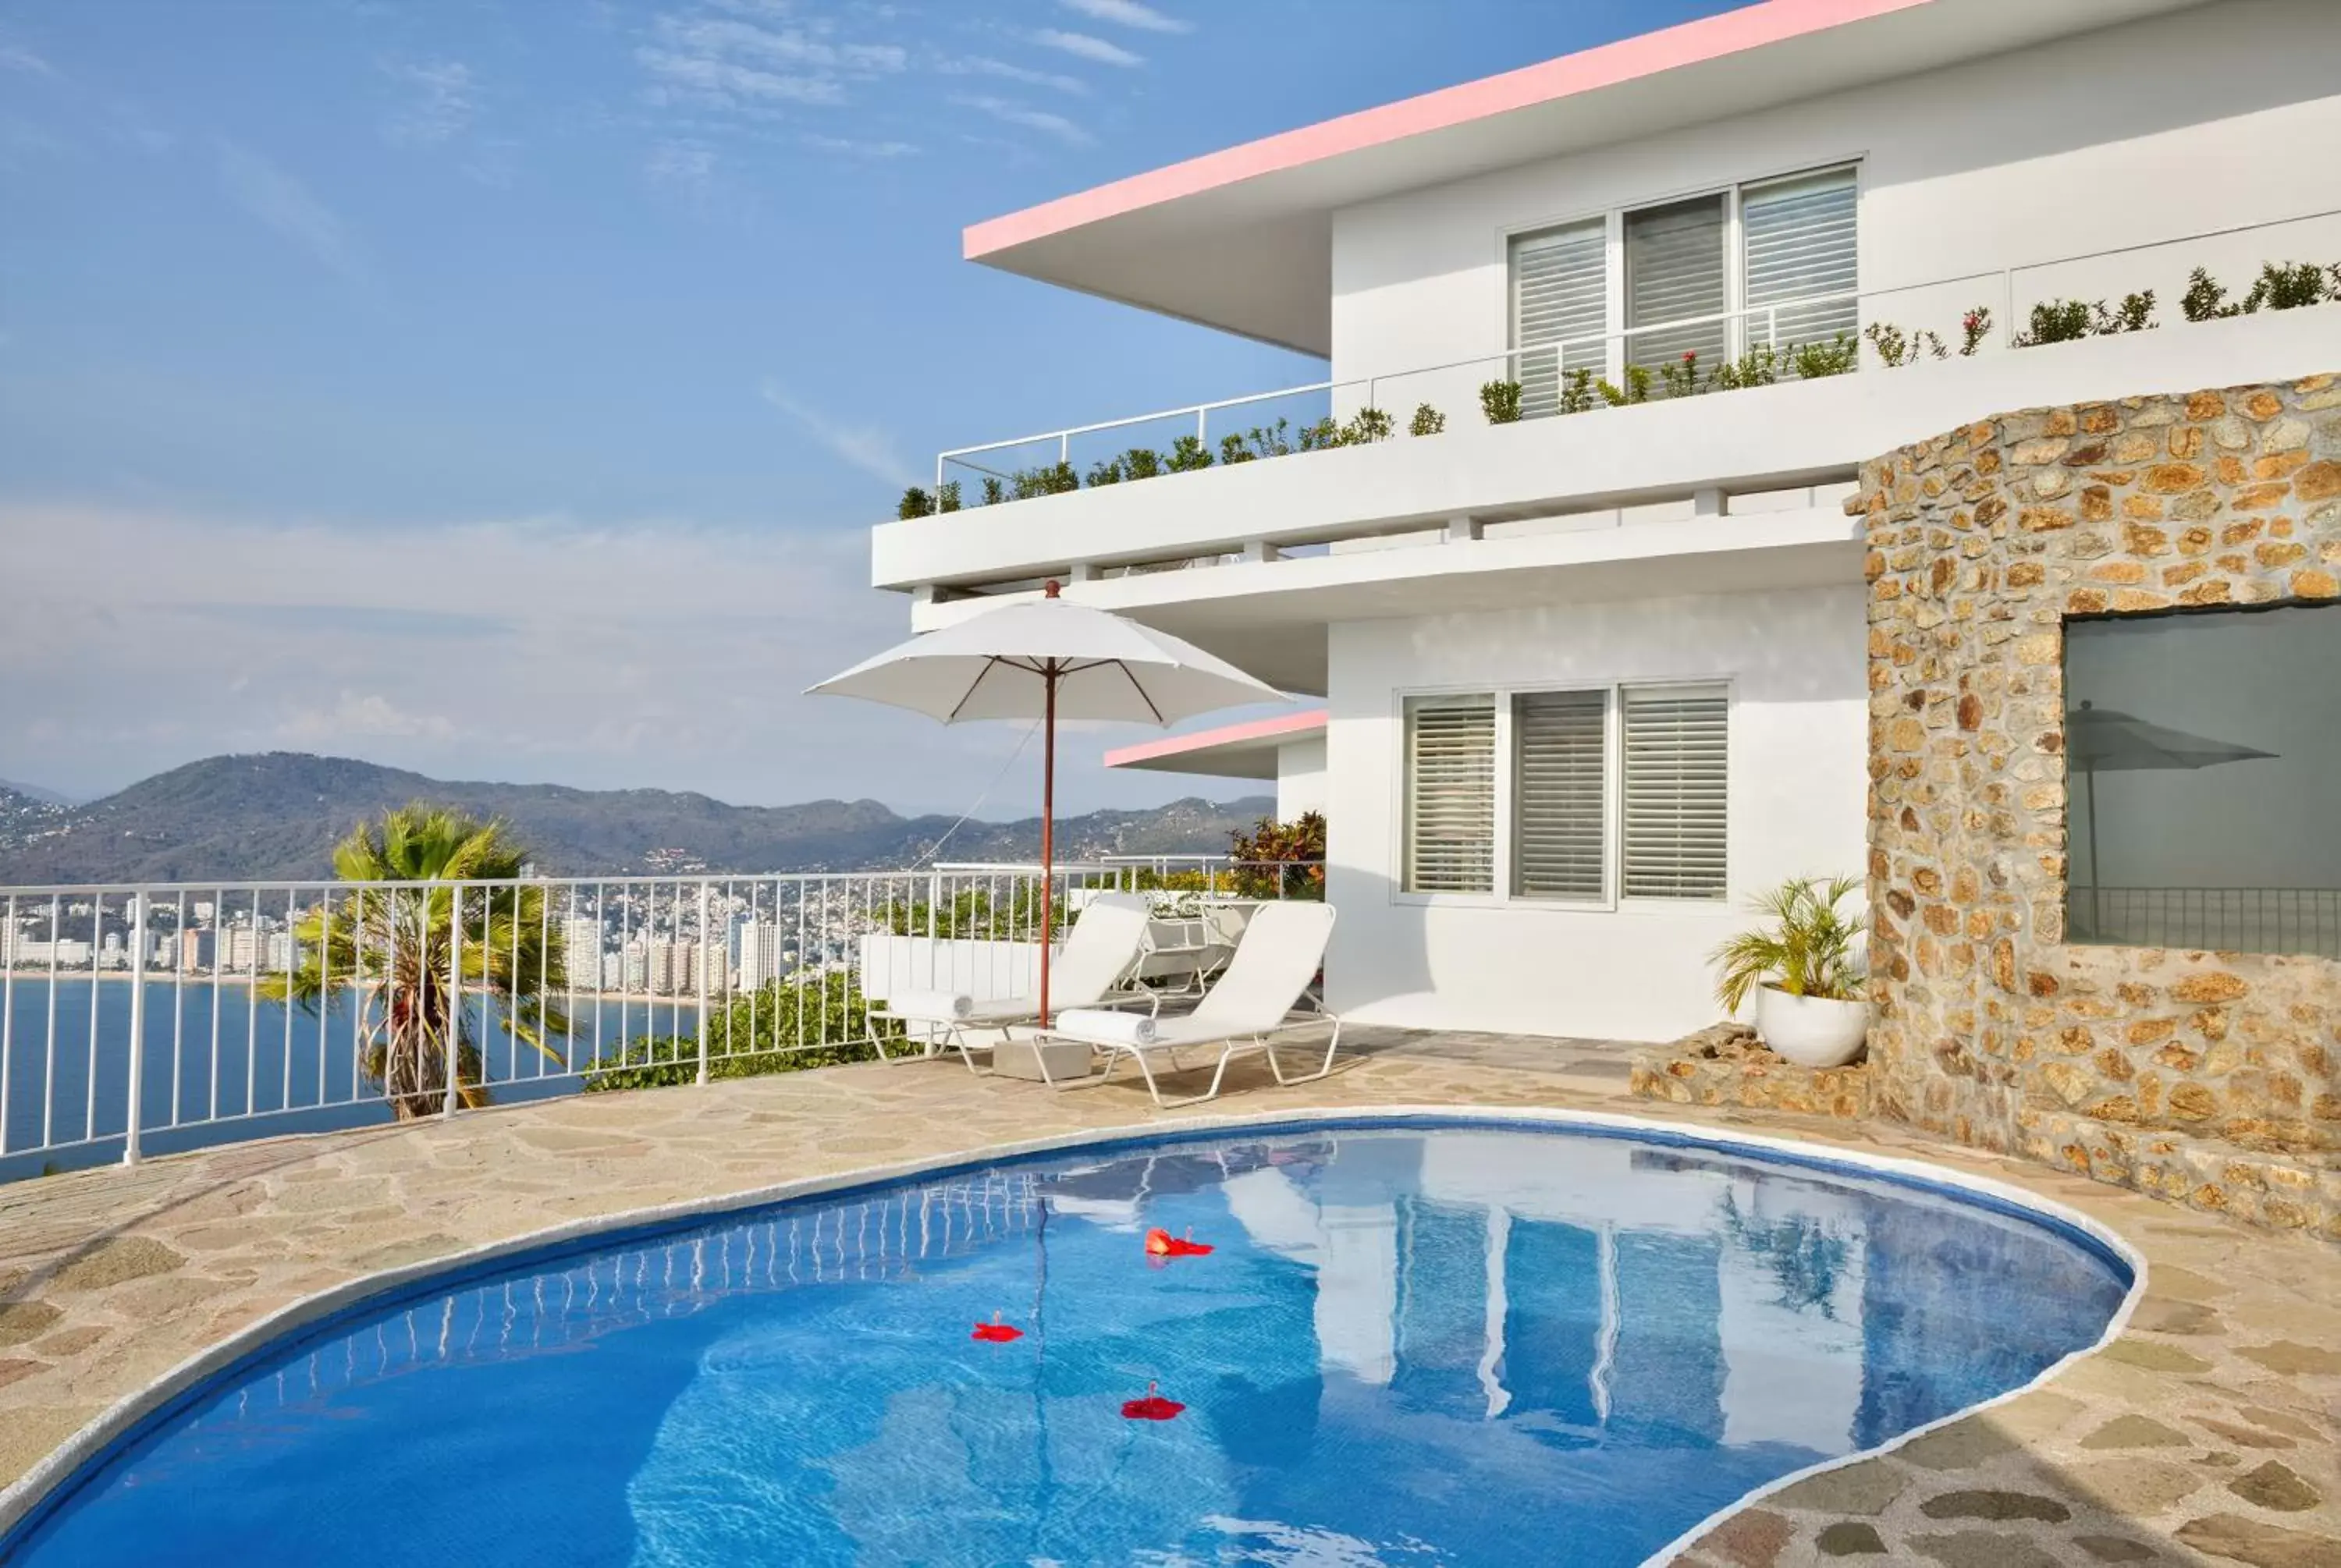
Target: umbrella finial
point(1051, 587)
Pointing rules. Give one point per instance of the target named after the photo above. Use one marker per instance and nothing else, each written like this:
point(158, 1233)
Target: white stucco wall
point(2216, 116)
point(1299, 777)
point(1796, 663)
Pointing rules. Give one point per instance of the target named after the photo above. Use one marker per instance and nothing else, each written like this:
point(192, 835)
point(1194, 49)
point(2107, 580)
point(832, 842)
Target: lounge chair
point(1094, 970)
point(1252, 1004)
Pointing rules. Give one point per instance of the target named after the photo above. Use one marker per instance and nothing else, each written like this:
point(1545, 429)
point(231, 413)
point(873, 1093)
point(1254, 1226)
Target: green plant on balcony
point(1758, 367)
point(2281, 286)
point(1895, 348)
point(915, 502)
point(1840, 355)
point(1257, 442)
point(995, 490)
point(1364, 428)
point(2067, 321)
point(2134, 314)
point(1973, 328)
point(1635, 389)
point(947, 496)
point(1681, 378)
point(1142, 463)
point(1577, 389)
point(1319, 435)
point(1427, 420)
point(1500, 401)
point(1187, 455)
point(1052, 478)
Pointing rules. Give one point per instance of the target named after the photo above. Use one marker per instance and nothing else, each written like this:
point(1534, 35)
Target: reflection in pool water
point(1449, 1345)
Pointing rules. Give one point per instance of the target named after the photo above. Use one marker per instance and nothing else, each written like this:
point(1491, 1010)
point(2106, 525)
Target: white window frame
point(1735, 259)
point(1613, 795)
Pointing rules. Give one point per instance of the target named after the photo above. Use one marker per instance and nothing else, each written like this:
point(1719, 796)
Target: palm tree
point(1808, 949)
point(388, 947)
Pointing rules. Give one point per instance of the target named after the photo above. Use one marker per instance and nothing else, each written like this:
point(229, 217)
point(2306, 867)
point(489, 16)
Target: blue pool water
point(1415, 1345)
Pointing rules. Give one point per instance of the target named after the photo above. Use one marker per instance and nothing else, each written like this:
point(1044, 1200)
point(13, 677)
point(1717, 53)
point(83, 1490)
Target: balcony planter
point(1811, 1031)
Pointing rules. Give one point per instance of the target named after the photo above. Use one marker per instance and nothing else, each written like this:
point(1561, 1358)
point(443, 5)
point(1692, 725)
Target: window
point(1674, 271)
point(1450, 794)
point(1560, 764)
point(1801, 245)
point(1675, 770)
point(1579, 782)
point(2200, 755)
point(1560, 309)
point(1775, 262)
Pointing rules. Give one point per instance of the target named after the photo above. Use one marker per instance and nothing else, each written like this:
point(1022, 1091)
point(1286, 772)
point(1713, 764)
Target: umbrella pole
point(2097, 886)
point(1048, 828)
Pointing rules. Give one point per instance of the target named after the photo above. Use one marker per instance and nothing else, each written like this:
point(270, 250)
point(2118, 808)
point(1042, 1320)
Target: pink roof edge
point(1226, 735)
point(1606, 65)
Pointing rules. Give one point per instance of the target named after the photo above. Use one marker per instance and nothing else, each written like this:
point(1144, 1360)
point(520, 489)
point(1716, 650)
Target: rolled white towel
point(932, 1005)
point(1105, 1024)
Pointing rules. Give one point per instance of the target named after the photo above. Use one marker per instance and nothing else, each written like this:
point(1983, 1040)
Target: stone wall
point(1726, 1065)
point(1989, 1026)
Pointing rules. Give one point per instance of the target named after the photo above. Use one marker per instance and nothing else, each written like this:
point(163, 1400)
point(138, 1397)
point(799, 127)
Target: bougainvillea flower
point(996, 1331)
point(1153, 1407)
point(1160, 1243)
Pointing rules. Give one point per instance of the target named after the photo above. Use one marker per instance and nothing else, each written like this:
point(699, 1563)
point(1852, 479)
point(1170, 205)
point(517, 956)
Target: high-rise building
point(762, 959)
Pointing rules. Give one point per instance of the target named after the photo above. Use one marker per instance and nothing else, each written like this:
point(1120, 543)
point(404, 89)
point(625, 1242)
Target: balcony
point(1251, 487)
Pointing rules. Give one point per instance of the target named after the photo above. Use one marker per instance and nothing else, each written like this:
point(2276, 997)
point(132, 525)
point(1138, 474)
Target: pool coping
point(25, 1502)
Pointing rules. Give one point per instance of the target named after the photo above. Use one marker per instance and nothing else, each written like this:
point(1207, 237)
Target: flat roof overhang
point(1242, 239)
point(1248, 751)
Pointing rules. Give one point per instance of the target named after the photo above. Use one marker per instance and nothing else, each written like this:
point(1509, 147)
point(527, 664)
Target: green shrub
point(1635, 389)
point(1500, 401)
point(915, 502)
point(1681, 377)
point(1364, 428)
point(1054, 479)
point(2058, 321)
point(1577, 389)
point(1898, 349)
point(1427, 420)
point(1974, 327)
point(994, 491)
point(2205, 298)
point(947, 496)
point(1758, 367)
point(2134, 315)
point(1187, 455)
point(1840, 356)
point(1280, 859)
point(754, 1036)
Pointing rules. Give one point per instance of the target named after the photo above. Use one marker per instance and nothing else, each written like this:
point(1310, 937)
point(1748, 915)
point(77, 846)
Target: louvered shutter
point(1559, 767)
point(1677, 767)
point(1560, 307)
point(1674, 271)
point(1450, 794)
point(1802, 241)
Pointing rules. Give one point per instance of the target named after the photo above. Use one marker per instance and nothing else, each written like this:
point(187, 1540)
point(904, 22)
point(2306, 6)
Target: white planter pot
point(1811, 1031)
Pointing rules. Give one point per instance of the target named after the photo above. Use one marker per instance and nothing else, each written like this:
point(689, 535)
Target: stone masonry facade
point(2212, 1077)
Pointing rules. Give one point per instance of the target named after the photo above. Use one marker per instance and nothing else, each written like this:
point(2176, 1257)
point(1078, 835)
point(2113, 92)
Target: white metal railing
point(137, 1019)
point(2002, 292)
point(2231, 919)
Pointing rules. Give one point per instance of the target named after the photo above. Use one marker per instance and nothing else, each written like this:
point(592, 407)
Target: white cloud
point(865, 447)
point(850, 147)
point(721, 83)
point(1087, 47)
point(286, 206)
point(681, 164)
point(984, 65)
point(440, 105)
point(1128, 14)
point(16, 57)
point(1009, 112)
point(356, 718)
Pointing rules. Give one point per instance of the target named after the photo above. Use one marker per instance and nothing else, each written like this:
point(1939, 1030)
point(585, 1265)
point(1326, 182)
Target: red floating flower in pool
point(996, 1331)
point(1153, 1407)
point(1160, 1243)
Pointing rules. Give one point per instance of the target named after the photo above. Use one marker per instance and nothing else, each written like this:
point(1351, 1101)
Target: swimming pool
point(1416, 1343)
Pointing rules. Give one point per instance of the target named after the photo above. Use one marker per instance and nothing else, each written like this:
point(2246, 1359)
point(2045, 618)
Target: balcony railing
point(2219, 919)
point(141, 1019)
point(1836, 333)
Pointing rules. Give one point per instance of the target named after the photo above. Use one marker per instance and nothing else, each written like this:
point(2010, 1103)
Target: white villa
point(1593, 676)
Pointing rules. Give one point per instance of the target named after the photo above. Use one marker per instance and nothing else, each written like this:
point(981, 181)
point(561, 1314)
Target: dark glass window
point(2203, 764)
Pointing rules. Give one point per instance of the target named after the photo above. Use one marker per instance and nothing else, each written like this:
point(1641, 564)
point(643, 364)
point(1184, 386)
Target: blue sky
point(504, 390)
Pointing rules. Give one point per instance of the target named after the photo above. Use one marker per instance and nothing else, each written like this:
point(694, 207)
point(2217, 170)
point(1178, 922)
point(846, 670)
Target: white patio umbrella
point(2107, 741)
point(1049, 660)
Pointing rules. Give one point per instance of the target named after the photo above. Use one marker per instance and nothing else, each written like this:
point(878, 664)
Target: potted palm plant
point(1804, 965)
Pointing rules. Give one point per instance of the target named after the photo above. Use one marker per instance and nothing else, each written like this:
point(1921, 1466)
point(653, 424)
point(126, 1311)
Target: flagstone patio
point(2210, 1431)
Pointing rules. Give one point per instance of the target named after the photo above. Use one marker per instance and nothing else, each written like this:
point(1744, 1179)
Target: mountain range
point(275, 816)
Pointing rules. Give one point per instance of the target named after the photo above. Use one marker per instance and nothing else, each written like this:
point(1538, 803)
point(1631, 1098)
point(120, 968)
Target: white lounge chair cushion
point(932, 1005)
point(1106, 1027)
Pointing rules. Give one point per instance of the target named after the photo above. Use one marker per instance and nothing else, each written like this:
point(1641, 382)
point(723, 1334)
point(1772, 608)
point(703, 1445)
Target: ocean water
point(1448, 1345)
point(219, 1060)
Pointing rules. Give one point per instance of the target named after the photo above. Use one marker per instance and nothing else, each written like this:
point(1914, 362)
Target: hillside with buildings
point(276, 816)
